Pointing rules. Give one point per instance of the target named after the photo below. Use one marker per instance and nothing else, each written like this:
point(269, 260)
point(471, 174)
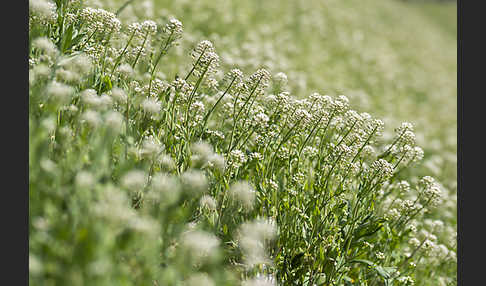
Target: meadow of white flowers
point(157, 158)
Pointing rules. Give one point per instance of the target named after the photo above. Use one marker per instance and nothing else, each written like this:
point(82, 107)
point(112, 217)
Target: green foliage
point(139, 175)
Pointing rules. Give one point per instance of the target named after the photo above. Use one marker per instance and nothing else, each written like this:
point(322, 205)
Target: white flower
point(91, 117)
point(46, 46)
point(382, 168)
point(165, 189)
point(194, 182)
point(243, 193)
point(45, 10)
point(281, 78)
point(237, 158)
point(151, 106)
point(208, 202)
point(134, 180)
point(149, 27)
point(59, 93)
point(119, 95)
point(200, 244)
point(174, 27)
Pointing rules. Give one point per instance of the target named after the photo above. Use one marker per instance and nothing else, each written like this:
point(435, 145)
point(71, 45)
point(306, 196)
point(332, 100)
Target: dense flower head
point(259, 80)
point(149, 27)
point(405, 126)
point(382, 168)
point(174, 28)
point(100, 19)
point(341, 104)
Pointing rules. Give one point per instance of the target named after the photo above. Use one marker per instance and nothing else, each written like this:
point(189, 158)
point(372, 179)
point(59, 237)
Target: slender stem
point(118, 59)
point(162, 52)
point(140, 50)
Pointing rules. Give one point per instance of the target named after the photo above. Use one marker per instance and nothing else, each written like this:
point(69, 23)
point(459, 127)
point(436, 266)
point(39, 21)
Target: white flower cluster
point(100, 20)
point(206, 59)
point(243, 194)
point(174, 28)
point(251, 239)
point(200, 245)
point(203, 156)
point(42, 11)
point(382, 168)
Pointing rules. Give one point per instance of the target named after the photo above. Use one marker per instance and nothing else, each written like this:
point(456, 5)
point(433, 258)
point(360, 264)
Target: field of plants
point(216, 142)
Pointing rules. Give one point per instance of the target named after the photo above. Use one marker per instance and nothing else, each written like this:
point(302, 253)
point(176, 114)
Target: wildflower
point(341, 104)
point(81, 65)
point(119, 95)
point(259, 80)
point(298, 178)
point(99, 19)
point(151, 106)
point(403, 186)
point(165, 189)
point(59, 93)
point(273, 185)
point(380, 255)
point(236, 76)
point(368, 151)
point(201, 152)
point(207, 60)
point(260, 120)
point(125, 70)
point(243, 193)
point(237, 158)
point(406, 280)
point(202, 48)
point(256, 156)
point(200, 244)
point(382, 168)
point(150, 148)
point(134, 180)
point(39, 73)
point(281, 79)
point(405, 126)
point(174, 27)
point(149, 27)
point(166, 162)
point(408, 137)
point(194, 182)
point(414, 241)
point(46, 46)
point(43, 11)
point(251, 238)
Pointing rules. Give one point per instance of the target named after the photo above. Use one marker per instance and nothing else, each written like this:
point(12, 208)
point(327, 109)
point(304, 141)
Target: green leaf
point(385, 272)
point(67, 38)
point(364, 261)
